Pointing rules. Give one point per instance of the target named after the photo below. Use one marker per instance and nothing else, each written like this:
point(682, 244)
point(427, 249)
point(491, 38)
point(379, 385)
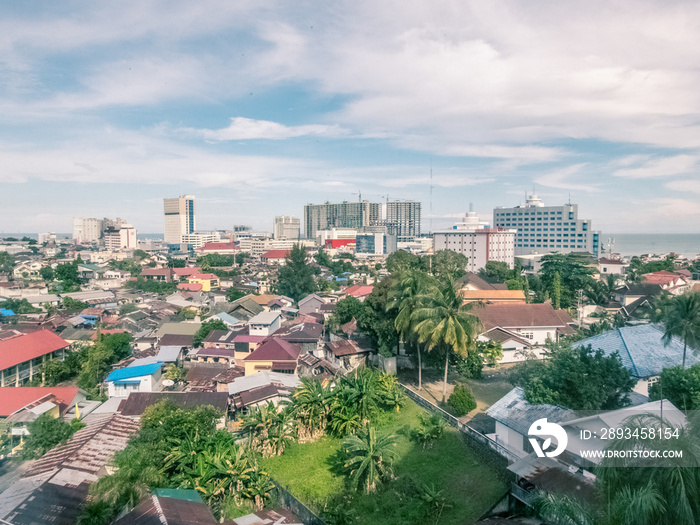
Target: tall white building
point(403, 219)
point(286, 228)
point(478, 243)
point(342, 215)
point(179, 218)
point(546, 229)
point(87, 229)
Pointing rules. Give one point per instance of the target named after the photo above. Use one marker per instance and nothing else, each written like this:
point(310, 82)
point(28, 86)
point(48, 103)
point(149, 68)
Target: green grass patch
point(472, 482)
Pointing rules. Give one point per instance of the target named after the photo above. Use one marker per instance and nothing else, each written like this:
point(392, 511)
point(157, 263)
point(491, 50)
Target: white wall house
point(143, 378)
point(265, 323)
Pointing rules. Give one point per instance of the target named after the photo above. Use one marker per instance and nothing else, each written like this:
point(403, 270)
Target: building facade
point(403, 219)
point(375, 243)
point(87, 229)
point(477, 243)
point(547, 229)
point(122, 237)
point(180, 220)
point(286, 228)
point(343, 215)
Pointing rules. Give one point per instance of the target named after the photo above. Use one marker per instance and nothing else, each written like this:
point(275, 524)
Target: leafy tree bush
point(296, 277)
point(470, 365)
point(462, 400)
point(232, 294)
point(431, 429)
point(45, 433)
point(578, 378)
point(680, 386)
point(159, 287)
point(206, 328)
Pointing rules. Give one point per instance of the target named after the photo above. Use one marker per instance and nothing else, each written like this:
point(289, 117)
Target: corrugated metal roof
point(133, 371)
point(515, 412)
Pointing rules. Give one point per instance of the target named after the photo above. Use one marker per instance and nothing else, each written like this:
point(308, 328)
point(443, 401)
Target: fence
point(462, 427)
point(288, 501)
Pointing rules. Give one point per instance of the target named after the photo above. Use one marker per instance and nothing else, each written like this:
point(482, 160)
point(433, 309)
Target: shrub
point(431, 429)
point(462, 400)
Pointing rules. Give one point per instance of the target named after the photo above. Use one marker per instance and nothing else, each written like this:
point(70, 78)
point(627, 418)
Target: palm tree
point(683, 320)
point(560, 509)
point(369, 458)
point(443, 321)
point(406, 292)
point(310, 408)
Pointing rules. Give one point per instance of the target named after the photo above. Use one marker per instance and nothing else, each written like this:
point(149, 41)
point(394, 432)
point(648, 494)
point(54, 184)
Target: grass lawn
point(472, 482)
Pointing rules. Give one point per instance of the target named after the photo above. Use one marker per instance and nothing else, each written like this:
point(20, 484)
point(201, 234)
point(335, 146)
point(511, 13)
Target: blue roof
point(641, 349)
point(227, 318)
point(6, 313)
point(133, 371)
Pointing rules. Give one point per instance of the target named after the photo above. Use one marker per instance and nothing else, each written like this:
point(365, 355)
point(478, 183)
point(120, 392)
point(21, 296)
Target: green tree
point(578, 378)
point(73, 305)
point(462, 400)
point(68, 274)
point(310, 408)
point(140, 254)
point(206, 328)
point(575, 273)
point(296, 277)
point(495, 271)
point(55, 371)
point(444, 321)
point(323, 259)
point(448, 264)
point(368, 458)
point(556, 291)
point(232, 294)
point(408, 288)
point(401, 260)
point(346, 310)
point(681, 386)
point(683, 320)
point(7, 262)
point(45, 433)
point(47, 273)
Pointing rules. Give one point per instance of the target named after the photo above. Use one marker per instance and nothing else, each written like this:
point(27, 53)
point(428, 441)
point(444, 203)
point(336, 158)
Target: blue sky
point(258, 108)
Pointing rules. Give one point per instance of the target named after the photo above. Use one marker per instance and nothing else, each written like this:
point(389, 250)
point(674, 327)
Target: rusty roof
point(138, 402)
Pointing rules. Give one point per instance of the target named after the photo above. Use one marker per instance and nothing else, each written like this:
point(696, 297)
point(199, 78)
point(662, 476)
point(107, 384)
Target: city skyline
point(259, 109)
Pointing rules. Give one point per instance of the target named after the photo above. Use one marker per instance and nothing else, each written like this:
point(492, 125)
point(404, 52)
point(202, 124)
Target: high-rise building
point(478, 243)
point(286, 228)
point(546, 229)
point(179, 218)
point(403, 219)
point(87, 229)
point(120, 237)
point(342, 215)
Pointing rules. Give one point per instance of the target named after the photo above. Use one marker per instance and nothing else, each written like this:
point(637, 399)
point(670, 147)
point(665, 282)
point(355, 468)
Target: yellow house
point(276, 355)
point(209, 281)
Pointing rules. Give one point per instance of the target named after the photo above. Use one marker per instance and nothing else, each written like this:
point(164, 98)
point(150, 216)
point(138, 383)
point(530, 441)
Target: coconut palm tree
point(368, 458)
point(444, 321)
point(683, 320)
point(405, 295)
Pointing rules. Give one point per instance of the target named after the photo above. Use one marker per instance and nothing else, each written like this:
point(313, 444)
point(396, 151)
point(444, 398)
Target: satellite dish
point(168, 382)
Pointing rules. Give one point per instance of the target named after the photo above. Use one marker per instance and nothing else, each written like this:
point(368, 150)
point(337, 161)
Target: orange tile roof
point(493, 295)
point(275, 254)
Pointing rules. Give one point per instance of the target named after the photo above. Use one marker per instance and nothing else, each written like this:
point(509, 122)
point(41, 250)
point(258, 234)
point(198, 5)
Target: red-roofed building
point(22, 357)
point(190, 287)
point(181, 274)
point(274, 256)
point(671, 282)
point(358, 291)
point(274, 354)
point(333, 244)
point(13, 399)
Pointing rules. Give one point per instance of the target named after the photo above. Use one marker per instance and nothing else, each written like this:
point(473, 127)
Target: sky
point(258, 108)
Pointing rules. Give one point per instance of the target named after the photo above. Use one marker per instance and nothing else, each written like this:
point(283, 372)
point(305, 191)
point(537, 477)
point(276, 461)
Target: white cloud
point(660, 167)
point(684, 185)
point(246, 129)
point(566, 179)
point(676, 208)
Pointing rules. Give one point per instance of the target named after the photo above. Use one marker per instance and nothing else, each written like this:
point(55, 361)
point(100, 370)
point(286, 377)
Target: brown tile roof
point(344, 348)
point(157, 510)
point(137, 402)
point(300, 332)
point(176, 340)
point(274, 350)
point(514, 315)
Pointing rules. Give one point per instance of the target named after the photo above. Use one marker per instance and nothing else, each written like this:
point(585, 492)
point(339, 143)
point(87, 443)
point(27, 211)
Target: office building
point(403, 219)
point(342, 215)
point(546, 229)
point(478, 243)
point(286, 228)
point(179, 218)
point(121, 237)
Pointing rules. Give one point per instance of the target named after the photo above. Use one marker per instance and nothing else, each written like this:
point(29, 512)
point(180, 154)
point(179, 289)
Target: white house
point(141, 378)
point(265, 323)
point(611, 266)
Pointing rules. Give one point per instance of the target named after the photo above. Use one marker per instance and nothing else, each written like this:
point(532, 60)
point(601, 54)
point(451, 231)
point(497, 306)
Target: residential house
point(22, 357)
point(182, 274)
point(222, 248)
point(265, 323)
point(358, 291)
point(28, 270)
point(515, 347)
point(275, 257)
point(141, 378)
point(171, 507)
point(261, 388)
point(137, 402)
point(157, 274)
point(642, 351)
point(209, 281)
point(308, 336)
point(276, 355)
point(345, 353)
point(611, 266)
point(228, 319)
point(534, 322)
point(674, 283)
point(98, 298)
point(494, 296)
point(472, 281)
point(311, 304)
